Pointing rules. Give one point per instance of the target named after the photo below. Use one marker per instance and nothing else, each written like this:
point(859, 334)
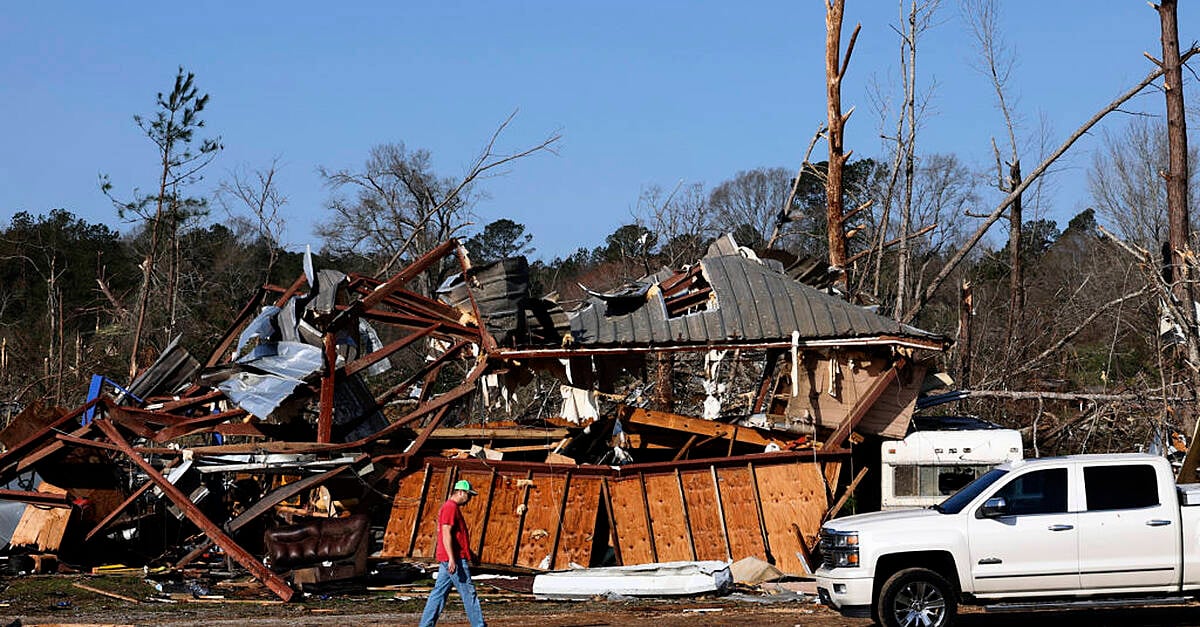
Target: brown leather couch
point(322, 549)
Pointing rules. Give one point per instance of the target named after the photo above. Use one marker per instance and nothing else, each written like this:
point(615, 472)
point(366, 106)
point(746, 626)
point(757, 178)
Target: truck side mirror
point(993, 508)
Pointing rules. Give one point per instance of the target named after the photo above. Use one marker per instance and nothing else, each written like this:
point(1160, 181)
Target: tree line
point(1047, 310)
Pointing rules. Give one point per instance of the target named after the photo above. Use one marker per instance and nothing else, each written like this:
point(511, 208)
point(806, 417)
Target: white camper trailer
point(929, 465)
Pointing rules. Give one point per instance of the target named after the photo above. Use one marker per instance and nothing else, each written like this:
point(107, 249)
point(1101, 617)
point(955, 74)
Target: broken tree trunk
point(835, 71)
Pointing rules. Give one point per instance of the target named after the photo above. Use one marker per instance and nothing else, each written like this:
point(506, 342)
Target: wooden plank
point(42, 527)
point(475, 512)
point(741, 513)
point(579, 522)
point(106, 593)
point(541, 520)
point(791, 494)
point(439, 490)
point(504, 519)
point(279, 495)
point(402, 522)
point(117, 511)
point(833, 472)
point(697, 426)
point(704, 514)
point(328, 384)
point(841, 502)
point(667, 522)
point(632, 524)
point(497, 433)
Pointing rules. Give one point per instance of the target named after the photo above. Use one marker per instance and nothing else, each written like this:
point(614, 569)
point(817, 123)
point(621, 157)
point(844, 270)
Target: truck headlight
point(839, 549)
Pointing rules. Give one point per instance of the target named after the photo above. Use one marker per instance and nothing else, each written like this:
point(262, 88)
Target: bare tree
point(401, 207)
point(965, 250)
point(1125, 184)
point(749, 205)
point(917, 20)
point(1177, 172)
point(256, 193)
point(681, 221)
point(996, 62)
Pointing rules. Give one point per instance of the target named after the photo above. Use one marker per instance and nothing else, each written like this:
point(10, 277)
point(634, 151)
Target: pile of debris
point(699, 414)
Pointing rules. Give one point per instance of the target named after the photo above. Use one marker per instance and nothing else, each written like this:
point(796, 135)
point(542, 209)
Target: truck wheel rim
point(919, 604)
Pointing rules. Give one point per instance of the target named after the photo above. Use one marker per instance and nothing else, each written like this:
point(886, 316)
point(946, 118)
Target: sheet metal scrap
point(300, 389)
point(340, 383)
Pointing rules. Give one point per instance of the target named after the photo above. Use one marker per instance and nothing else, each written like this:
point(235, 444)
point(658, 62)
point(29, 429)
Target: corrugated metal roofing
point(753, 302)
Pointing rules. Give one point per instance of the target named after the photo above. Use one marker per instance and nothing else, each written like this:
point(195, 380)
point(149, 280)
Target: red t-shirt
point(450, 515)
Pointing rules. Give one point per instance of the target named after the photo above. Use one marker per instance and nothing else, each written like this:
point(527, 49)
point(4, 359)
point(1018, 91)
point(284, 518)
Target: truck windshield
point(960, 499)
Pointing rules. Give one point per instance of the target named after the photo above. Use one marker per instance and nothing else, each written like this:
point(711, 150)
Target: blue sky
point(643, 93)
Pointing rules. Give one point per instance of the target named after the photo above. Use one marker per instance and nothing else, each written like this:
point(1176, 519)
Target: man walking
point(453, 554)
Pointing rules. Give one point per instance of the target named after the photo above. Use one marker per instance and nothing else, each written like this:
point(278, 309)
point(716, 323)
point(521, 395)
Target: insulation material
point(651, 580)
point(578, 405)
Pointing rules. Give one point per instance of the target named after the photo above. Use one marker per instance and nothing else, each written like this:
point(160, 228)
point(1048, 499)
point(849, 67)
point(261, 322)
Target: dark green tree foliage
point(51, 267)
point(498, 240)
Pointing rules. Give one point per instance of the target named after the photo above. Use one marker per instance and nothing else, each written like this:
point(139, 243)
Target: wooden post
point(328, 384)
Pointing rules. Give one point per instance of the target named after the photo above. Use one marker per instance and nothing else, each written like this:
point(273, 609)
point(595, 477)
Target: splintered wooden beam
point(863, 405)
point(193, 513)
point(837, 507)
point(695, 426)
point(328, 385)
point(400, 279)
point(41, 499)
point(100, 526)
point(498, 433)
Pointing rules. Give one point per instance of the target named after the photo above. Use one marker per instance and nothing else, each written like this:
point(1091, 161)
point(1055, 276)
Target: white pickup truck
point(1093, 528)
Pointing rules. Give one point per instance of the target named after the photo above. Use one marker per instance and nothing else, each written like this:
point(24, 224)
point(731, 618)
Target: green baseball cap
point(465, 486)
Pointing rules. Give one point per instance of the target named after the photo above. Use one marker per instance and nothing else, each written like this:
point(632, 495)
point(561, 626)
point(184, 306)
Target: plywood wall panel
point(630, 518)
point(741, 513)
point(406, 509)
point(475, 512)
point(704, 513)
point(542, 520)
point(671, 542)
point(439, 489)
point(793, 498)
point(578, 528)
point(504, 519)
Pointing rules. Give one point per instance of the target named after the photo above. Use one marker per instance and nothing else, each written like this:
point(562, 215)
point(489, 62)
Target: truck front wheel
point(916, 597)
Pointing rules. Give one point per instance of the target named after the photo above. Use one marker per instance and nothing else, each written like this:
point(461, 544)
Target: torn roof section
point(733, 298)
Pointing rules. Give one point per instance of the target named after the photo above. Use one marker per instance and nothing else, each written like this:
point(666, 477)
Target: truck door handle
point(1158, 522)
point(1061, 527)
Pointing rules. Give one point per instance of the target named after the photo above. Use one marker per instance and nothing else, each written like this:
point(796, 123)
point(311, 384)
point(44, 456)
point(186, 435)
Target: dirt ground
point(58, 601)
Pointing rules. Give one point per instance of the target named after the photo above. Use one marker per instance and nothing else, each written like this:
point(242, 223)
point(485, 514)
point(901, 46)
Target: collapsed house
point(697, 414)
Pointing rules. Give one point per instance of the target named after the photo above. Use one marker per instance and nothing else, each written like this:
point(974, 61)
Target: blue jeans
point(461, 579)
